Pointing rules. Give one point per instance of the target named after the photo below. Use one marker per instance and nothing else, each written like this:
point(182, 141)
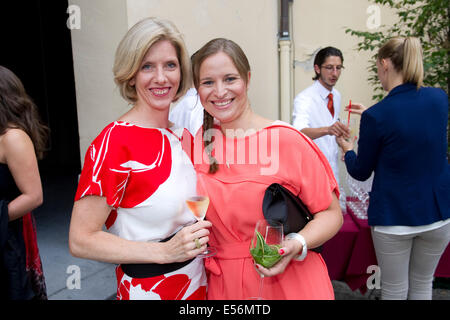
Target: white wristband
point(300, 239)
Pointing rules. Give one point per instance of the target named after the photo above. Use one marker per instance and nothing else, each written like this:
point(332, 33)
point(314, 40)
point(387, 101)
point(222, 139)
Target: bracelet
point(299, 238)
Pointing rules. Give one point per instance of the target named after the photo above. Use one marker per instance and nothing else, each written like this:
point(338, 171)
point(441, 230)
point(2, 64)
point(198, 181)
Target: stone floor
point(343, 292)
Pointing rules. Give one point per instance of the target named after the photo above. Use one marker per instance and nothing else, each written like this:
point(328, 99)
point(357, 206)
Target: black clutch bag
point(281, 205)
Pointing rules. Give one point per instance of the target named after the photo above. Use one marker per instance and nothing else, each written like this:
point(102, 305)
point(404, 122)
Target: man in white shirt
point(188, 113)
point(316, 109)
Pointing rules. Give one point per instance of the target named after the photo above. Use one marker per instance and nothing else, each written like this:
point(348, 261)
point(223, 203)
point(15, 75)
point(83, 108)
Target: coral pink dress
point(278, 153)
point(146, 174)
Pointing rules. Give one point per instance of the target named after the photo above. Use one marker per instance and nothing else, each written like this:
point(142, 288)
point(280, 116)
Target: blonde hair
point(133, 48)
point(240, 61)
point(406, 56)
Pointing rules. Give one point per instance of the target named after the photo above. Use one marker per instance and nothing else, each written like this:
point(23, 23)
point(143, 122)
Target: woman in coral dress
point(247, 154)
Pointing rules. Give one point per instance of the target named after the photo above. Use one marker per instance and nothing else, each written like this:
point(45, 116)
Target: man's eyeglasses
point(331, 68)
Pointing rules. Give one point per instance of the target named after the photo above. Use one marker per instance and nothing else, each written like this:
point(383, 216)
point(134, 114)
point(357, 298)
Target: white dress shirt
point(311, 111)
point(188, 112)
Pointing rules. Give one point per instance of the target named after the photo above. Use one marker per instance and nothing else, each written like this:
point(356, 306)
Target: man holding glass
point(316, 109)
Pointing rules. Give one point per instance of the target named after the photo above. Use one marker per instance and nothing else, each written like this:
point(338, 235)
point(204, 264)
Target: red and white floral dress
point(146, 174)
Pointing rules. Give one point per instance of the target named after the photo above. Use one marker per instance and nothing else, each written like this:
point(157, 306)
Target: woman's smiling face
point(159, 75)
point(222, 90)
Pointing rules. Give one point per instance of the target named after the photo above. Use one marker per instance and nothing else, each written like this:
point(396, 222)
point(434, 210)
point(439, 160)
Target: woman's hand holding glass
point(289, 250)
point(346, 145)
point(265, 248)
point(183, 246)
point(199, 206)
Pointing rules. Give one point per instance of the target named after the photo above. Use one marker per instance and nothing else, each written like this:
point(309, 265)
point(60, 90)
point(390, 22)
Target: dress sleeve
point(100, 176)
point(311, 173)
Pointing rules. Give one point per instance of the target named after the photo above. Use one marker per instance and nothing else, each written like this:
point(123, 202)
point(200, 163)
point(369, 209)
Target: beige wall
point(322, 23)
point(103, 22)
point(253, 24)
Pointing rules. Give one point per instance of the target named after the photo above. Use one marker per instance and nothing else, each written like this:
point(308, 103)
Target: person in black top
point(22, 142)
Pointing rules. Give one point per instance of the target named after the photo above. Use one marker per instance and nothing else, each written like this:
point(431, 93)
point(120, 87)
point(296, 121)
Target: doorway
point(36, 46)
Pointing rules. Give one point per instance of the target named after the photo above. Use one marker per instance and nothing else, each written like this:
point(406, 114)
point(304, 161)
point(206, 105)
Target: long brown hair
point(17, 110)
point(240, 61)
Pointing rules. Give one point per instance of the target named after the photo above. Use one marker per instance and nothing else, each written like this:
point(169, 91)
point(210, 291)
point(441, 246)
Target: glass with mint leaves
point(264, 247)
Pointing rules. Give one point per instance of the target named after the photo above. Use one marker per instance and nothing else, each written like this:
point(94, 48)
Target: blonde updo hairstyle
point(406, 56)
point(133, 48)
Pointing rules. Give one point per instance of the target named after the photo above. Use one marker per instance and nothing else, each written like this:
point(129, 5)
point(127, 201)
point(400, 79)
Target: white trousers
point(408, 262)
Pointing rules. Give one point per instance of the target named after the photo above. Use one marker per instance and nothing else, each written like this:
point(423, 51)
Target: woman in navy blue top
point(403, 140)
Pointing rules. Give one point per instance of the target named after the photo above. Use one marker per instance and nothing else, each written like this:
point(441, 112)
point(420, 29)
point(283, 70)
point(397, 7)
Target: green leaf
point(264, 254)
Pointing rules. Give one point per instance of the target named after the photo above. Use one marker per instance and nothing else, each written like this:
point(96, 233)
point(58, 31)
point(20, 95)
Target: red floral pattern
point(173, 287)
point(127, 164)
point(131, 167)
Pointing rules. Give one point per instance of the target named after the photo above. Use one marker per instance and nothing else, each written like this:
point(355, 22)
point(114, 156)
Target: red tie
point(330, 104)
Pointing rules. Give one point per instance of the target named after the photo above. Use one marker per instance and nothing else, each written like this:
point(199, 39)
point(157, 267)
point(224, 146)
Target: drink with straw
point(351, 125)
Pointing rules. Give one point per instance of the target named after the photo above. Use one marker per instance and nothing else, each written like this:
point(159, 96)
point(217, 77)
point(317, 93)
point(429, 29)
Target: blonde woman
point(403, 141)
point(137, 175)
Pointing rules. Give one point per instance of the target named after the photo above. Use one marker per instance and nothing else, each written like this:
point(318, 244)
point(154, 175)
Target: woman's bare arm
point(17, 151)
point(88, 240)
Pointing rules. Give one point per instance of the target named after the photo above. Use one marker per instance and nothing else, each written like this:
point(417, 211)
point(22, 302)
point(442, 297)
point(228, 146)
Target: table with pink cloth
point(351, 251)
